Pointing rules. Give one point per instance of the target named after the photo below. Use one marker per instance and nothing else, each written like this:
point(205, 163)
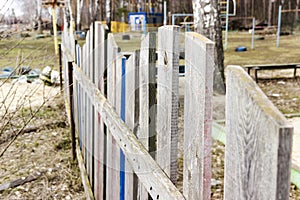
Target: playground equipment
point(139, 20)
point(53, 4)
point(226, 14)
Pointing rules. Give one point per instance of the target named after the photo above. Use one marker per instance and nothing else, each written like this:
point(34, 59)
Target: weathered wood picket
point(258, 142)
point(126, 118)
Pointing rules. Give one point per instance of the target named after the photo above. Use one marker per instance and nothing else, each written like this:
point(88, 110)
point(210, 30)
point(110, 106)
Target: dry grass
point(265, 51)
point(46, 151)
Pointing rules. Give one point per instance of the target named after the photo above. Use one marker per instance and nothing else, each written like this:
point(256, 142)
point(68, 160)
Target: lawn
point(35, 53)
point(265, 51)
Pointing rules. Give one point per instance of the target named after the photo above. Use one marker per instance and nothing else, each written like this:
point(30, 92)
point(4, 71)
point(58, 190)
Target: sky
point(6, 6)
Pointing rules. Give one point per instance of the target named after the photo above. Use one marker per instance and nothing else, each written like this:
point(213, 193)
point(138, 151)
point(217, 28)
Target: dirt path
point(23, 95)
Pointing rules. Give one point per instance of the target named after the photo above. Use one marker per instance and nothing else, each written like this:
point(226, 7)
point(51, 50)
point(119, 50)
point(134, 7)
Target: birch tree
point(207, 23)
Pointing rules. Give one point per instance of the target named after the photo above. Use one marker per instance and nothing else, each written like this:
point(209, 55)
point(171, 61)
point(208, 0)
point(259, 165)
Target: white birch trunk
point(207, 23)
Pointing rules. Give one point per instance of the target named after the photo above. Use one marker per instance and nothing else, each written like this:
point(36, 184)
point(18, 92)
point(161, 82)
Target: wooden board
point(167, 94)
point(99, 134)
point(147, 74)
point(258, 142)
point(84, 132)
point(129, 119)
point(92, 109)
point(150, 174)
point(199, 67)
point(99, 55)
point(89, 112)
point(116, 149)
point(147, 118)
point(112, 182)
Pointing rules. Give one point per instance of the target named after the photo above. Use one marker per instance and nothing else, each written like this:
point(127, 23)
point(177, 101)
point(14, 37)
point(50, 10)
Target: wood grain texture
point(99, 134)
point(199, 60)
point(92, 109)
point(112, 186)
point(116, 148)
point(258, 142)
point(149, 173)
point(84, 110)
point(86, 106)
point(129, 119)
point(167, 94)
point(136, 120)
point(89, 108)
point(147, 97)
point(99, 55)
point(147, 74)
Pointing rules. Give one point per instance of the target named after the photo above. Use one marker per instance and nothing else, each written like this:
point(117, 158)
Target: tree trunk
point(40, 27)
point(108, 14)
point(78, 17)
point(207, 23)
point(98, 14)
point(39, 18)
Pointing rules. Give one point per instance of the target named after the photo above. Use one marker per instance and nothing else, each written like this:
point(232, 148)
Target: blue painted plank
point(122, 115)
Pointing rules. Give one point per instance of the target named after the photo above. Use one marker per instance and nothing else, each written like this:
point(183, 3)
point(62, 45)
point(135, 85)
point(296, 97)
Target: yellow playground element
point(119, 27)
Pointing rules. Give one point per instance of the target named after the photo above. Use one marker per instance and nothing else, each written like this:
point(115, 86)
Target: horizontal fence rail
point(125, 112)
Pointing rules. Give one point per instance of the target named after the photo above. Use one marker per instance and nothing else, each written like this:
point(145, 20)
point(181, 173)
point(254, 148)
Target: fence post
point(132, 116)
point(167, 109)
point(99, 134)
point(147, 96)
point(72, 124)
point(60, 69)
point(199, 67)
point(147, 93)
point(122, 115)
point(258, 142)
point(113, 155)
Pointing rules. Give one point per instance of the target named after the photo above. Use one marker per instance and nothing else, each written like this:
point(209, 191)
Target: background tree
point(207, 22)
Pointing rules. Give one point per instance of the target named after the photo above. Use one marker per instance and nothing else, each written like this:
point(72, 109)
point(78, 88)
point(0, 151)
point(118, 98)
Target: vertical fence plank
point(112, 186)
point(86, 104)
point(167, 110)
point(147, 80)
point(122, 116)
point(78, 97)
point(99, 55)
point(258, 142)
point(84, 131)
point(92, 107)
point(71, 106)
point(99, 134)
point(199, 66)
point(89, 109)
point(115, 148)
point(147, 95)
point(131, 117)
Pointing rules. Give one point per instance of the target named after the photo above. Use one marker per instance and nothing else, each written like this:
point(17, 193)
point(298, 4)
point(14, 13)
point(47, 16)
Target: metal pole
point(173, 19)
point(54, 29)
point(165, 13)
point(253, 29)
point(278, 28)
point(226, 29)
point(145, 26)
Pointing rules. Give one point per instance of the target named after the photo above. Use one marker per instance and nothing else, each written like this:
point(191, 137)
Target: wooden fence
point(125, 113)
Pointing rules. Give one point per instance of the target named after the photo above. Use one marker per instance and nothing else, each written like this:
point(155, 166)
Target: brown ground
point(47, 150)
point(44, 153)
